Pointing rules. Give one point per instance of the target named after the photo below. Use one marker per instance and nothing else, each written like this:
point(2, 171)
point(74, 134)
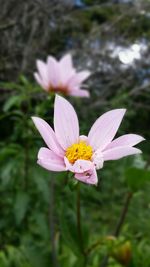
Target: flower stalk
point(79, 226)
point(52, 223)
point(123, 214)
point(79, 229)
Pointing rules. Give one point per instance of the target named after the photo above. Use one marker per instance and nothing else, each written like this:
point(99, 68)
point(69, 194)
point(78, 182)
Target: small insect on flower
point(61, 76)
point(82, 155)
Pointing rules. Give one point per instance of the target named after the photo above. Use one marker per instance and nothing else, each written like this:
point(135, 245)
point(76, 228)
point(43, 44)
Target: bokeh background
point(38, 208)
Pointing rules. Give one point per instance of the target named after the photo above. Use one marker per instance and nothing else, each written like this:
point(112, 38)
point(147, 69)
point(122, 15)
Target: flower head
point(61, 76)
point(82, 155)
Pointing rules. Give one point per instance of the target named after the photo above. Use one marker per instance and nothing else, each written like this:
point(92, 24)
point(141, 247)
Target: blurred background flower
point(61, 77)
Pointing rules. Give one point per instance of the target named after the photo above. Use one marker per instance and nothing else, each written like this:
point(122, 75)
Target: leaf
point(20, 206)
point(12, 101)
point(42, 226)
point(9, 150)
point(7, 172)
point(4, 262)
point(24, 80)
point(80, 262)
point(36, 257)
point(69, 232)
point(10, 85)
point(136, 178)
point(15, 257)
point(11, 163)
point(39, 177)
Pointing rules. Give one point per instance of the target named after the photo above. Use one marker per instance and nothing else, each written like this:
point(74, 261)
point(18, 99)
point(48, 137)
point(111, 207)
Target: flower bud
point(123, 253)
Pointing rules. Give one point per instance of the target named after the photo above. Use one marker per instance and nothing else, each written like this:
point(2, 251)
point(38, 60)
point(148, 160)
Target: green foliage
point(26, 223)
point(25, 203)
point(20, 206)
point(13, 257)
point(131, 27)
point(137, 178)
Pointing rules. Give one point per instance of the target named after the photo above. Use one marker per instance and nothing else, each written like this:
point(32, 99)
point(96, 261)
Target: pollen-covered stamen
point(79, 151)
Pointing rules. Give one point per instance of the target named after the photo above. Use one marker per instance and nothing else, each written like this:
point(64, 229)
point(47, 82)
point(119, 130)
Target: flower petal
point(105, 128)
point(48, 135)
point(54, 72)
point(67, 70)
point(40, 81)
point(50, 161)
point(43, 71)
point(120, 152)
point(126, 140)
point(79, 166)
point(65, 122)
point(98, 159)
point(80, 93)
point(78, 78)
point(66, 62)
point(82, 75)
point(89, 177)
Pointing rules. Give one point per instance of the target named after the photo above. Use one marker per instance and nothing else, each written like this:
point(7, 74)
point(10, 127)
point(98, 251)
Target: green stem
point(79, 218)
point(95, 245)
point(79, 227)
point(123, 214)
point(52, 223)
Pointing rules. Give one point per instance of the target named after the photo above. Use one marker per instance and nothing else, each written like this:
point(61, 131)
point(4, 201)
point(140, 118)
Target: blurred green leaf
point(15, 100)
point(80, 262)
point(36, 257)
point(4, 262)
point(20, 206)
point(39, 177)
point(24, 80)
point(69, 232)
point(9, 150)
point(13, 257)
point(136, 178)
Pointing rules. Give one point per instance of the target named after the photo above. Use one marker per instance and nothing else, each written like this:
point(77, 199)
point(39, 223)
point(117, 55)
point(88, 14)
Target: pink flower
point(61, 76)
point(82, 155)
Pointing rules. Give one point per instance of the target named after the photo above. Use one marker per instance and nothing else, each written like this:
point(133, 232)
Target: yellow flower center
point(79, 151)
